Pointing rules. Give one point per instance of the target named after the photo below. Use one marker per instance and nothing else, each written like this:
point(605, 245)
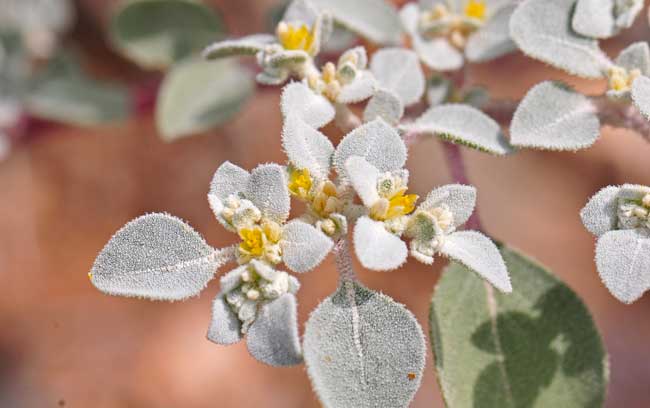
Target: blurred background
point(66, 189)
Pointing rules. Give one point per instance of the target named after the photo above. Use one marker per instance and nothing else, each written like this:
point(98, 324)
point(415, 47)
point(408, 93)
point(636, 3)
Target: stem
point(622, 115)
point(344, 261)
point(458, 172)
point(345, 119)
point(501, 110)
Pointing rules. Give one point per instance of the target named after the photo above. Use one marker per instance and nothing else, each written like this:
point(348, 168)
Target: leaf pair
point(623, 248)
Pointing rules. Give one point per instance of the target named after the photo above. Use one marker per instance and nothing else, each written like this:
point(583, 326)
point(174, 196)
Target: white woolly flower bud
point(276, 288)
point(245, 215)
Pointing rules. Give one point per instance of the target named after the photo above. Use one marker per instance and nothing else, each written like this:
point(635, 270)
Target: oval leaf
point(554, 117)
point(273, 337)
point(404, 79)
point(197, 95)
point(376, 20)
point(363, 350)
point(463, 124)
point(623, 261)
point(536, 347)
point(156, 33)
point(641, 95)
point(542, 30)
point(156, 256)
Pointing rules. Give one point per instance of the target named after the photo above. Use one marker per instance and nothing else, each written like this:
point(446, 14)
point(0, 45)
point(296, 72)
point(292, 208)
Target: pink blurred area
point(67, 190)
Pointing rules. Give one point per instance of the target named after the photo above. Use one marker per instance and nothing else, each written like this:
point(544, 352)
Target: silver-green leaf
point(554, 117)
point(405, 79)
point(535, 347)
point(623, 261)
point(542, 30)
point(641, 95)
point(376, 20)
point(156, 256)
point(363, 350)
point(463, 124)
point(197, 95)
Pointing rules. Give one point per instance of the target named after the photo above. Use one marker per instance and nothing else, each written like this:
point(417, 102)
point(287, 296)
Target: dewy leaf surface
point(536, 347)
point(156, 256)
point(156, 33)
point(542, 30)
point(376, 20)
point(197, 95)
point(363, 350)
point(554, 117)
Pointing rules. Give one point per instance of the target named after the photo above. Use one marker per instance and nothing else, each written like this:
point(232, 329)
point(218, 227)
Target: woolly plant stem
point(622, 115)
point(456, 166)
point(343, 261)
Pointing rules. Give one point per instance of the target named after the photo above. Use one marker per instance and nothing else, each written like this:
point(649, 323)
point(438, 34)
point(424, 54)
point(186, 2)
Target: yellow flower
point(300, 182)
point(475, 9)
point(295, 38)
point(401, 204)
point(621, 79)
point(396, 205)
point(252, 241)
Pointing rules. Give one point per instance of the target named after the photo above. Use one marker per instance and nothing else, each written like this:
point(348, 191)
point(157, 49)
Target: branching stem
point(622, 115)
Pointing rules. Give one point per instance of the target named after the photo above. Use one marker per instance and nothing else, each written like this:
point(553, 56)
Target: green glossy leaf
point(376, 20)
point(156, 33)
point(535, 347)
point(363, 350)
point(197, 95)
point(63, 93)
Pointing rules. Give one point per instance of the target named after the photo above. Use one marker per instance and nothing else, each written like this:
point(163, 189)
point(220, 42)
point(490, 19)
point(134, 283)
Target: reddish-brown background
point(67, 190)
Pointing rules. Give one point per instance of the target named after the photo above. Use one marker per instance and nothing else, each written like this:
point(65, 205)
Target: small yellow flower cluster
point(393, 201)
point(620, 79)
point(634, 213)
point(456, 26)
point(333, 77)
point(476, 9)
point(295, 37)
point(323, 197)
point(260, 241)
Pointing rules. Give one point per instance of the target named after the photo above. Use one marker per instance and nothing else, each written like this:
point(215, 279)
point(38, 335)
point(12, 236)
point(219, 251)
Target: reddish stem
point(458, 171)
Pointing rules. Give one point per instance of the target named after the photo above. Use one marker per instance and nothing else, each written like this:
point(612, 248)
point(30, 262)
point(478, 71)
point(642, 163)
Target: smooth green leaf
point(463, 124)
point(535, 347)
point(542, 30)
point(554, 117)
point(156, 33)
point(363, 350)
point(375, 19)
point(198, 95)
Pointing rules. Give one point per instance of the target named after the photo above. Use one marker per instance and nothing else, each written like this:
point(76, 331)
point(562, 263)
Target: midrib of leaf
point(217, 256)
point(598, 56)
point(492, 310)
point(351, 294)
point(586, 108)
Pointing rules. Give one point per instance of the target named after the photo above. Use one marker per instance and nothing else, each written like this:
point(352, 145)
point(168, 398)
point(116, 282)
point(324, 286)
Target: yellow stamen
point(272, 230)
point(252, 241)
point(300, 183)
point(295, 38)
point(90, 275)
point(475, 9)
point(401, 204)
